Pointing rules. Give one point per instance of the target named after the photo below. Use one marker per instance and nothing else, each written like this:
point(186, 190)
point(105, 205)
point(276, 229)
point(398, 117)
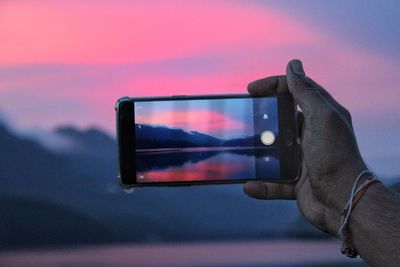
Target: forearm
point(375, 227)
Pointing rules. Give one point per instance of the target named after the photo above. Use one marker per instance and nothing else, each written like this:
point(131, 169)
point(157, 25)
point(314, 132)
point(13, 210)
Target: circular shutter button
point(267, 138)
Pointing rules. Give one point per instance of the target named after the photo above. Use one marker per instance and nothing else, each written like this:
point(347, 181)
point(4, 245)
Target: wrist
point(374, 226)
point(339, 193)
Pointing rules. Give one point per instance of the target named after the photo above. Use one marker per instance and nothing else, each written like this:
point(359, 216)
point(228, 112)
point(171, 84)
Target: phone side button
point(289, 138)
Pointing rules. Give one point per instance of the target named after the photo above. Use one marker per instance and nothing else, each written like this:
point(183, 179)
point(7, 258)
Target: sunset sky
point(223, 118)
point(66, 62)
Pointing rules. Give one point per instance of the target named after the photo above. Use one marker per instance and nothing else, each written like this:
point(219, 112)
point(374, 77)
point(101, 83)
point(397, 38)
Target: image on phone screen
point(206, 139)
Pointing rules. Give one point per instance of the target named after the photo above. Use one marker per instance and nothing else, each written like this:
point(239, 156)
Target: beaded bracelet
point(348, 248)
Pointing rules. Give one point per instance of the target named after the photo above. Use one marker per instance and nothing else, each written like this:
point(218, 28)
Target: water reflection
point(206, 163)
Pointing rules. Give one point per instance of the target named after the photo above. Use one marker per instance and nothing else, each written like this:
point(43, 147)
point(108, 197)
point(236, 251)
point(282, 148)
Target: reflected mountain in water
point(160, 159)
point(165, 155)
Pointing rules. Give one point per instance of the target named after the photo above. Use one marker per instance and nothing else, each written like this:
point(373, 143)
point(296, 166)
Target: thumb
point(305, 93)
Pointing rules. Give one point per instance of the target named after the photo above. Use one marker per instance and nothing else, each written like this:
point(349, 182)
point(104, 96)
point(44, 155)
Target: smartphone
point(210, 139)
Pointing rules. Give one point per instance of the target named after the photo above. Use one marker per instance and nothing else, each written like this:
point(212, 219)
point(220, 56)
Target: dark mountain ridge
point(164, 137)
point(90, 142)
point(81, 184)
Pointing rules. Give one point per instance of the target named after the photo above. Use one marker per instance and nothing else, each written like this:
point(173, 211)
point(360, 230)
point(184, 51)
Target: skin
point(331, 162)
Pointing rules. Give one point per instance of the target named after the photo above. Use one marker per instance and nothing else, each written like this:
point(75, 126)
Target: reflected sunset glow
point(198, 172)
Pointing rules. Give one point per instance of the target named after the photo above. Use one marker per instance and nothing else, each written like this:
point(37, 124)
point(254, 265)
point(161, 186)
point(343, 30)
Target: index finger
point(265, 190)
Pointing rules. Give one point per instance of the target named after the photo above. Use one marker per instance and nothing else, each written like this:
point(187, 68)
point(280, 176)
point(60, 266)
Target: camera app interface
point(206, 140)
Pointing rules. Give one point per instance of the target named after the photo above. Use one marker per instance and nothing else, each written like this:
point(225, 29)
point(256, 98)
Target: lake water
point(281, 253)
point(206, 163)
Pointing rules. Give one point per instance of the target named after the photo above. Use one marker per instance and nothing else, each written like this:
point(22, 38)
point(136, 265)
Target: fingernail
point(297, 67)
point(253, 188)
point(250, 85)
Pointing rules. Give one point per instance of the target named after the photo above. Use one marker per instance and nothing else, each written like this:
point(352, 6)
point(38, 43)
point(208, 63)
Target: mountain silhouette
point(149, 137)
point(79, 184)
point(396, 186)
point(163, 137)
point(250, 141)
point(41, 223)
point(92, 142)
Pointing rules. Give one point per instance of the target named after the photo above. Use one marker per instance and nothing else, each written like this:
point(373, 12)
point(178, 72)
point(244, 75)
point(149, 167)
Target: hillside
point(164, 137)
point(79, 184)
point(396, 187)
point(31, 222)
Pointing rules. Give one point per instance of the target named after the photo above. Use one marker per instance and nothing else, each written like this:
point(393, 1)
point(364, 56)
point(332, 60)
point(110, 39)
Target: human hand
point(330, 157)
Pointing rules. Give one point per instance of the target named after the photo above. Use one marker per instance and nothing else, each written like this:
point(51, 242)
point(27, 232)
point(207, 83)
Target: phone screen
point(206, 140)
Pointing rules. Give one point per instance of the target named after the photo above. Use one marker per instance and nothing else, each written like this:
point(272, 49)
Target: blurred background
point(63, 64)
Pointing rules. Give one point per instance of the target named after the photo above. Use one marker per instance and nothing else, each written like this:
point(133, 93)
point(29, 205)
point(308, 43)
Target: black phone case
point(126, 149)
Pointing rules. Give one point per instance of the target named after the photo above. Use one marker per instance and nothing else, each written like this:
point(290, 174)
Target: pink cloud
point(92, 39)
point(86, 32)
point(203, 121)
